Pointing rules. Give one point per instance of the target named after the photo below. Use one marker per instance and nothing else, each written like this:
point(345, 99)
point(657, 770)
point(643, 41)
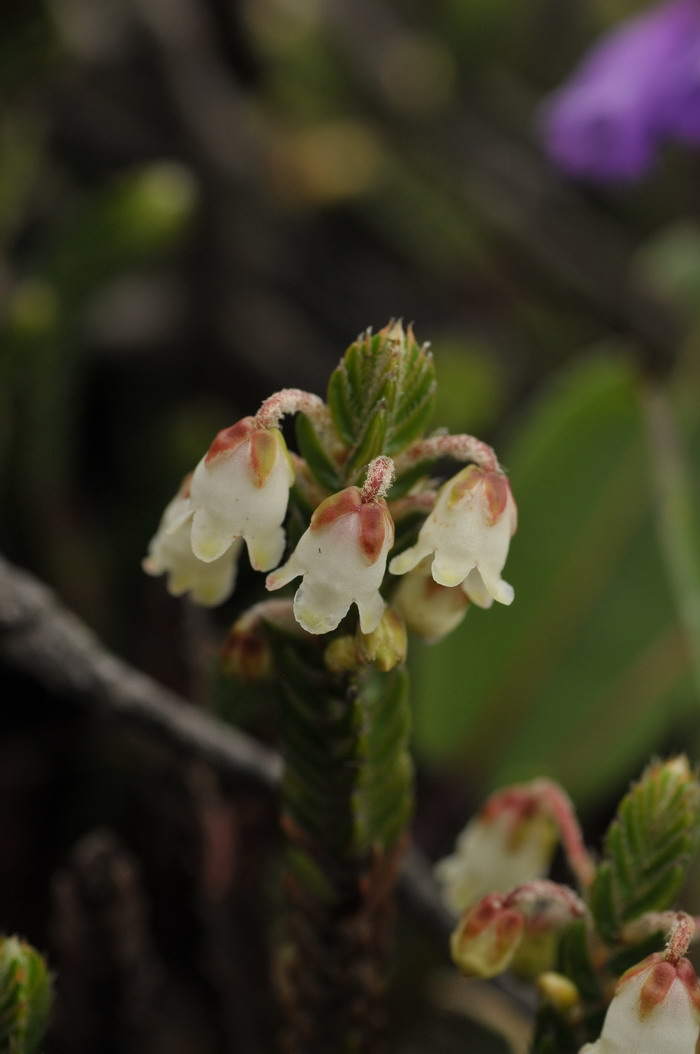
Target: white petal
point(409, 559)
point(318, 609)
point(473, 586)
point(371, 608)
point(265, 551)
point(210, 537)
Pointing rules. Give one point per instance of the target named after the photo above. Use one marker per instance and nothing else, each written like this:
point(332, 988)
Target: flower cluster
point(510, 917)
point(638, 87)
point(240, 492)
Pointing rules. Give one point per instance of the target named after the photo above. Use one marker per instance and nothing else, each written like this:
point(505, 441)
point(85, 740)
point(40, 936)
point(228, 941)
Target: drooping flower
point(519, 929)
point(656, 1008)
point(487, 937)
point(469, 531)
point(240, 488)
point(637, 87)
point(430, 610)
point(509, 842)
point(170, 553)
point(342, 557)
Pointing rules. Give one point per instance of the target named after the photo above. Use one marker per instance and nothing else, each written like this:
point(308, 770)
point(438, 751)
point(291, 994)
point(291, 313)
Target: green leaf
point(313, 452)
point(25, 997)
point(372, 442)
point(381, 395)
point(648, 847)
point(575, 961)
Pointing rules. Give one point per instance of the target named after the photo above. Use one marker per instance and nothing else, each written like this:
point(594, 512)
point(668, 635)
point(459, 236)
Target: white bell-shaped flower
point(342, 557)
point(430, 610)
point(241, 489)
point(170, 553)
point(655, 1010)
point(509, 842)
point(469, 532)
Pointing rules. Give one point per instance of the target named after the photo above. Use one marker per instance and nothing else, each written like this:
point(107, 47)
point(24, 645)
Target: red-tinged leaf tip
point(229, 438)
point(337, 505)
point(264, 448)
point(656, 987)
point(496, 491)
point(374, 521)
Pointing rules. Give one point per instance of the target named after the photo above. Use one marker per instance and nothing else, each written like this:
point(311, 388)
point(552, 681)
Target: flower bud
point(386, 646)
point(469, 532)
point(559, 992)
point(511, 841)
point(241, 489)
point(248, 652)
point(342, 557)
point(655, 1010)
point(170, 552)
point(487, 937)
point(430, 610)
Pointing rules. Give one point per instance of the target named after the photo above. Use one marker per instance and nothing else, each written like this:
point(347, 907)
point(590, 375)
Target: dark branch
point(39, 637)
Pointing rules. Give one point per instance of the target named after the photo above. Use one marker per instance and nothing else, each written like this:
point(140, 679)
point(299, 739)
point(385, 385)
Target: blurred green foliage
point(588, 671)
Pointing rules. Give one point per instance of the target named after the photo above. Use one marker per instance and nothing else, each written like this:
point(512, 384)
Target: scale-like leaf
point(647, 847)
point(312, 450)
point(381, 394)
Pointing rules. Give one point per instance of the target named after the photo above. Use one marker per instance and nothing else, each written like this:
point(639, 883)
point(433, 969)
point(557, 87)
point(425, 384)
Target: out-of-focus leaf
point(585, 671)
point(471, 386)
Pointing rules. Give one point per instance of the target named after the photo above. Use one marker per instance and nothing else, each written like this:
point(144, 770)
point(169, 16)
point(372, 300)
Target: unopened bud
point(537, 951)
point(487, 937)
point(559, 992)
point(341, 655)
point(246, 653)
point(386, 646)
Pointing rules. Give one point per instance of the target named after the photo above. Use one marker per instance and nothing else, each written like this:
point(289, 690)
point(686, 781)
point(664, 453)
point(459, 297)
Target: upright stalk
point(347, 797)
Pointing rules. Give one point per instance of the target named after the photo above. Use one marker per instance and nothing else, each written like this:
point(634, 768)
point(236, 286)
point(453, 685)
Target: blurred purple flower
point(638, 86)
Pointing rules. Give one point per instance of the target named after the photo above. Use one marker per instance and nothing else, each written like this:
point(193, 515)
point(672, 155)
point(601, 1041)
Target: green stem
point(347, 798)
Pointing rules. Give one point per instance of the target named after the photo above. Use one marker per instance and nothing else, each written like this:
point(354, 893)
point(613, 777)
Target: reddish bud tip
point(337, 505)
point(496, 491)
point(229, 438)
